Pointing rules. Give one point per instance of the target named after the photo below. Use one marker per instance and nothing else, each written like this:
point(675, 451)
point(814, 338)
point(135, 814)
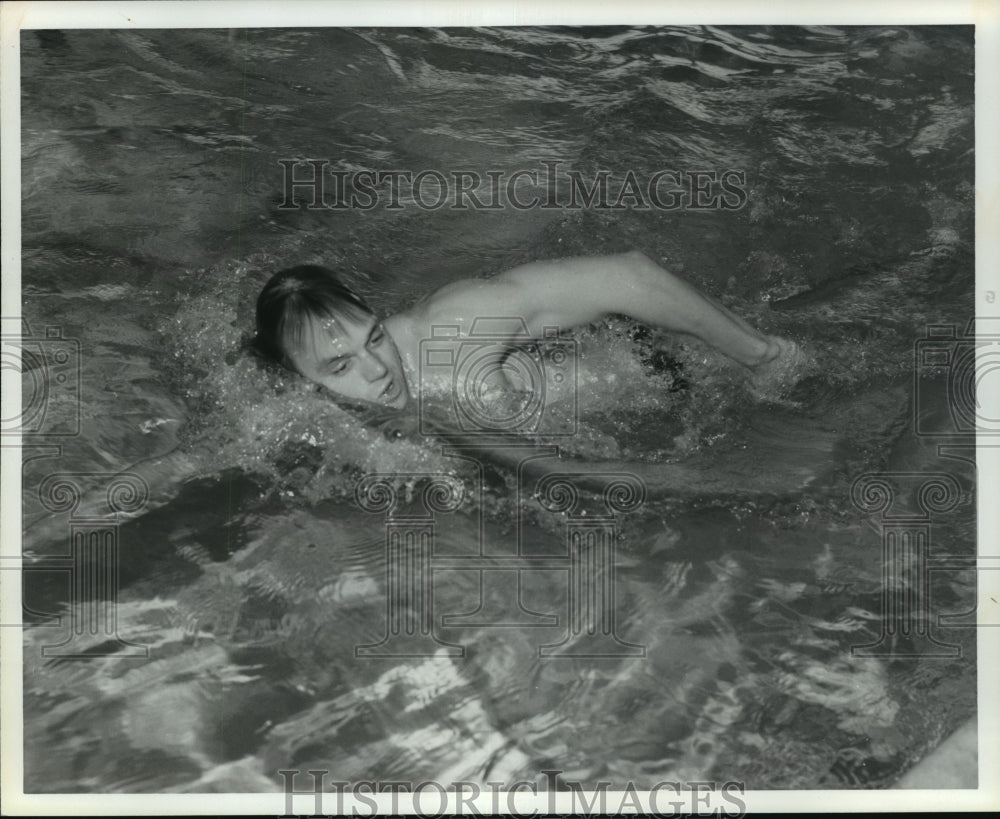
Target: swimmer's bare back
point(571, 292)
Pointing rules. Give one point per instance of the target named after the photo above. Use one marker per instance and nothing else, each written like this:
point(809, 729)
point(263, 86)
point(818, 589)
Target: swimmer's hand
point(783, 364)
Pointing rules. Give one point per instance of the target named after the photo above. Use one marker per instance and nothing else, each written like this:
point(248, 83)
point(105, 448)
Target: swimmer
point(310, 323)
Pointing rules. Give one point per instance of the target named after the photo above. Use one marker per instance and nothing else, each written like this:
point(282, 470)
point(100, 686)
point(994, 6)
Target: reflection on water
point(150, 187)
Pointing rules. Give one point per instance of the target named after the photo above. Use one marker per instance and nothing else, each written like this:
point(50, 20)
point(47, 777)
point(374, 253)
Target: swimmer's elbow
point(635, 261)
point(635, 257)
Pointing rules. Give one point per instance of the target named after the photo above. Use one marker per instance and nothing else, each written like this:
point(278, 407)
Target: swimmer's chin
point(401, 402)
point(395, 395)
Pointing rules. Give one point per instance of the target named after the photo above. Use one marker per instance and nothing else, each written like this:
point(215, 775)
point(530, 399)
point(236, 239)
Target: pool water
point(151, 187)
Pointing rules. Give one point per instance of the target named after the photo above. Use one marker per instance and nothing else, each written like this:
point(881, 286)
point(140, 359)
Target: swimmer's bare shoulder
point(456, 304)
point(575, 291)
point(562, 291)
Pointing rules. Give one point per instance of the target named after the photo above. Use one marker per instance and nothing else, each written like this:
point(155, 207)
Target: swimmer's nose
point(374, 369)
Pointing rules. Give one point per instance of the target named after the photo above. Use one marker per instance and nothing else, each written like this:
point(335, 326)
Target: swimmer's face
point(353, 358)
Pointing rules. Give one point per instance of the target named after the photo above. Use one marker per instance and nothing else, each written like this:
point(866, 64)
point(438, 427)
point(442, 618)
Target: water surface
point(151, 187)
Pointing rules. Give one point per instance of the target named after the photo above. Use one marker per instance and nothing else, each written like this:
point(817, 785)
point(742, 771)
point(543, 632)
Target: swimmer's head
point(309, 322)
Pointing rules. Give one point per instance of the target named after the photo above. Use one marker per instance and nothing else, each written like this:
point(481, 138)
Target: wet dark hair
point(290, 299)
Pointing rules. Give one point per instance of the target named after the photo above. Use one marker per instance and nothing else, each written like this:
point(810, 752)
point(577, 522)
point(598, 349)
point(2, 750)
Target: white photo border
point(18, 16)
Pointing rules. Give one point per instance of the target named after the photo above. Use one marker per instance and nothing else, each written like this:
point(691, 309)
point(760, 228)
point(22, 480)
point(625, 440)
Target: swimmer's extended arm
point(574, 291)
